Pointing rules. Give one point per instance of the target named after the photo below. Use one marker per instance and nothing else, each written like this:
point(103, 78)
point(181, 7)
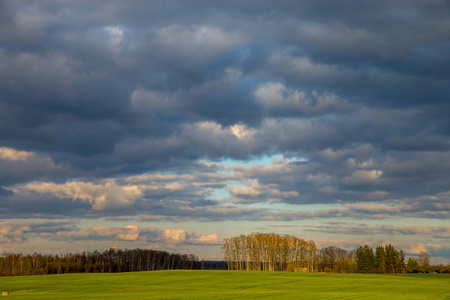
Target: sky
point(171, 125)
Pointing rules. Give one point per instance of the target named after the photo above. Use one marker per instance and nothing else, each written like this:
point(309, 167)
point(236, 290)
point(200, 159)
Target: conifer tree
point(392, 259)
point(380, 260)
point(365, 260)
point(401, 263)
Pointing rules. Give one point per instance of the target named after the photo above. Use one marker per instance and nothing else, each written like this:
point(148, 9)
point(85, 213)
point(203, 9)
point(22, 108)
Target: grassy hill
point(184, 284)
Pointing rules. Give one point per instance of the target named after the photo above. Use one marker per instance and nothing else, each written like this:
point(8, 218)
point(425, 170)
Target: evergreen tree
point(380, 260)
point(392, 259)
point(365, 260)
point(401, 263)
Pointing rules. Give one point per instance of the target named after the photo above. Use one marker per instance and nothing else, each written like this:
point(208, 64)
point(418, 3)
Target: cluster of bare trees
point(109, 261)
point(422, 265)
point(270, 252)
point(336, 260)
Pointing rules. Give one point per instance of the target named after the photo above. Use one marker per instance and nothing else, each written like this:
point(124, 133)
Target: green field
point(226, 285)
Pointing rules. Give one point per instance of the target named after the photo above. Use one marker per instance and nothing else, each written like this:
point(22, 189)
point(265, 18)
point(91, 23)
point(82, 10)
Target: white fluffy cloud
point(103, 196)
point(183, 236)
point(18, 232)
point(14, 155)
point(127, 233)
point(175, 235)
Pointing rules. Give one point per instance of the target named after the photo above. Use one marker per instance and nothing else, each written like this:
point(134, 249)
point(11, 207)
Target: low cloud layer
point(16, 233)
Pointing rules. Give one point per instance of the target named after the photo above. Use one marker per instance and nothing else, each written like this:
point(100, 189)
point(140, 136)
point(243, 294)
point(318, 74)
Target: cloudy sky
point(174, 124)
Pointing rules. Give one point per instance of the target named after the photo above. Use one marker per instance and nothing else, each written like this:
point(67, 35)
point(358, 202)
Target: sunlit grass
point(227, 285)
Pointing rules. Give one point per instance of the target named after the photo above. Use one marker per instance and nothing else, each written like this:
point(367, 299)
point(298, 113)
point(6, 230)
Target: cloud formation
point(219, 111)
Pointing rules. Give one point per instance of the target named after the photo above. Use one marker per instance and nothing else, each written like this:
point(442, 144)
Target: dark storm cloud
point(95, 90)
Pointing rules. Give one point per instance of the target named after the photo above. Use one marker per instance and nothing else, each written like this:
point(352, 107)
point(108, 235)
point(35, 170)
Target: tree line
point(274, 252)
point(257, 252)
point(108, 261)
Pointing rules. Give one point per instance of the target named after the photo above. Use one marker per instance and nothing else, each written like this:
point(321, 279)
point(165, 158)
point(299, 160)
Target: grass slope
point(227, 285)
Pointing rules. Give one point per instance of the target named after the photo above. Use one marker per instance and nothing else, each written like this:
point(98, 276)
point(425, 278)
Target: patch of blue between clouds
point(292, 207)
point(260, 160)
point(222, 194)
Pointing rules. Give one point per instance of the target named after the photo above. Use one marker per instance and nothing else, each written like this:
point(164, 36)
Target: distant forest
point(256, 252)
point(109, 261)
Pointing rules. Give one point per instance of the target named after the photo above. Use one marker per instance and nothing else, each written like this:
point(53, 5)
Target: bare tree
point(424, 261)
